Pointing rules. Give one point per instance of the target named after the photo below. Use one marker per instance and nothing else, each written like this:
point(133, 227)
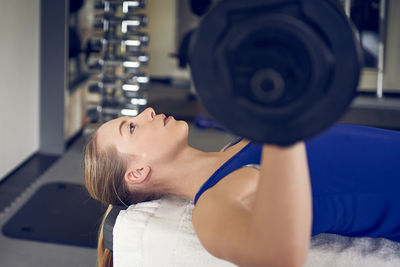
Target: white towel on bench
point(160, 233)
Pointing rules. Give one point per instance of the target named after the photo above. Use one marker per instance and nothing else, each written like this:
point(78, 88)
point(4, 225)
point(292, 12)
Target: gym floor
point(68, 168)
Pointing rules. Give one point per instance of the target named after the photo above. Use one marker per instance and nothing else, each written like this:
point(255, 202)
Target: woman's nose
point(149, 113)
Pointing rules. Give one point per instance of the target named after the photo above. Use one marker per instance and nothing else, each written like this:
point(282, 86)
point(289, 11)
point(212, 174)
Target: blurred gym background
point(68, 65)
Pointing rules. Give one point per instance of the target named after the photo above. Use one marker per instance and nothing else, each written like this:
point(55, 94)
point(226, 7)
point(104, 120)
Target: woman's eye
point(131, 127)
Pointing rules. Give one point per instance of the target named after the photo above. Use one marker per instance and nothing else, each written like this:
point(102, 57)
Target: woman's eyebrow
point(120, 126)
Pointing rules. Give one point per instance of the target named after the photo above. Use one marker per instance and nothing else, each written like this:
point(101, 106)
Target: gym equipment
point(276, 71)
point(126, 6)
point(139, 78)
point(133, 42)
point(126, 24)
point(119, 58)
point(108, 226)
point(129, 87)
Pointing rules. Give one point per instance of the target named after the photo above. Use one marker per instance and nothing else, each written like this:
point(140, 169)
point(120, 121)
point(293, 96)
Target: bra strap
point(255, 166)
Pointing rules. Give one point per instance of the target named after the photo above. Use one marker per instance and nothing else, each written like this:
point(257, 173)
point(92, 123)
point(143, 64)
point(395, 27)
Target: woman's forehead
point(108, 131)
point(109, 125)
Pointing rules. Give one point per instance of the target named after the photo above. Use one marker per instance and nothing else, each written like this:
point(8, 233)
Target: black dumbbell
point(276, 71)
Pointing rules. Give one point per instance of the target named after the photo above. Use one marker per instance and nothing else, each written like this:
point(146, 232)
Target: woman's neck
point(190, 170)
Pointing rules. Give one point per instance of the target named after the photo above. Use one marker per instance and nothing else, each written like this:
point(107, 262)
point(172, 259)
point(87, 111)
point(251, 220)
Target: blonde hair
point(104, 172)
point(104, 255)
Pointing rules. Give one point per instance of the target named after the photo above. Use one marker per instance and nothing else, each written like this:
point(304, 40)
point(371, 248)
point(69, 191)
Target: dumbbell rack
point(116, 68)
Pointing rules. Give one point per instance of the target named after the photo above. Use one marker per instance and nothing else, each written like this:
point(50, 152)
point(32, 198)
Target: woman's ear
point(137, 175)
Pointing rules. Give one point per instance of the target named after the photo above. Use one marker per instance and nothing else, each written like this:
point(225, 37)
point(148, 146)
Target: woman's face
point(149, 136)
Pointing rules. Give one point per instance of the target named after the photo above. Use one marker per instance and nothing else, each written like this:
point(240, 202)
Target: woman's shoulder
point(235, 187)
point(229, 201)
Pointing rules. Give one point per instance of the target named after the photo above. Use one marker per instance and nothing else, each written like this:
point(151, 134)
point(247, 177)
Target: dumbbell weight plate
point(276, 71)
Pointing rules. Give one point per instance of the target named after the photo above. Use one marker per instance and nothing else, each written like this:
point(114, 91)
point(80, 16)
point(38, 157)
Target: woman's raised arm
point(282, 215)
point(276, 232)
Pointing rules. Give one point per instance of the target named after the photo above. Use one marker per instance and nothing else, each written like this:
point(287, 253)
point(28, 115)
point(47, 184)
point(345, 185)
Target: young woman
point(254, 205)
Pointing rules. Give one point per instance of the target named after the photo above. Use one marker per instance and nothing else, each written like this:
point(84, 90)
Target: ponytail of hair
point(104, 255)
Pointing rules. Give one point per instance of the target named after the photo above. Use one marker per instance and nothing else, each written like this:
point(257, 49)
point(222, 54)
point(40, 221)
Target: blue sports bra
point(250, 155)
